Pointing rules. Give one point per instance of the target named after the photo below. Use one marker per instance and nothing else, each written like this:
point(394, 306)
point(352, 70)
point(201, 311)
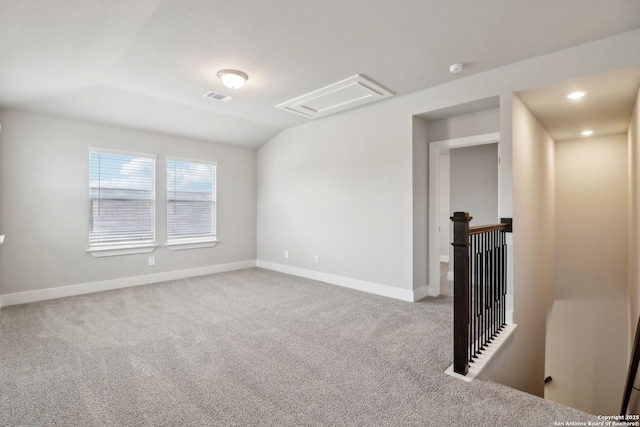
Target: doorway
point(466, 176)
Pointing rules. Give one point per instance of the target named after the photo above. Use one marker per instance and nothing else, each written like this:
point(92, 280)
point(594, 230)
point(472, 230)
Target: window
point(191, 202)
point(121, 200)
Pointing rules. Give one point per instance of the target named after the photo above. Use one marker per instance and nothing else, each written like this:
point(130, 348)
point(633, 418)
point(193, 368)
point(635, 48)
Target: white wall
point(522, 365)
point(633, 270)
point(478, 123)
point(341, 187)
point(420, 208)
point(44, 173)
point(474, 183)
point(633, 141)
point(590, 290)
point(445, 204)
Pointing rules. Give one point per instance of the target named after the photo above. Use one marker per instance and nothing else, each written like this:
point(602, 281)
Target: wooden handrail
point(484, 228)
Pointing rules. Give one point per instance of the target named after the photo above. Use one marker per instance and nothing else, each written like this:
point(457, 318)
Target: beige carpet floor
point(245, 348)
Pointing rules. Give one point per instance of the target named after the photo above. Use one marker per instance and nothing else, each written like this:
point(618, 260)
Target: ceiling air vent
point(349, 93)
point(217, 96)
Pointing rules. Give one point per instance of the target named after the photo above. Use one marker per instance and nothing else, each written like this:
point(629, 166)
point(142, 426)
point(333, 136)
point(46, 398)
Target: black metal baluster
point(499, 281)
point(491, 284)
point(483, 290)
point(504, 276)
point(476, 316)
point(478, 269)
point(470, 307)
point(502, 280)
point(485, 285)
point(487, 281)
point(489, 291)
point(472, 320)
point(495, 281)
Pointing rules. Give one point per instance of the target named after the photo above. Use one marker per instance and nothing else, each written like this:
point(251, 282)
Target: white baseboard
point(420, 293)
point(347, 282)
point(444, 258)
point(125, 282)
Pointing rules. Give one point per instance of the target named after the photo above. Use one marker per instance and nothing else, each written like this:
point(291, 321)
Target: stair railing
point(479, 287)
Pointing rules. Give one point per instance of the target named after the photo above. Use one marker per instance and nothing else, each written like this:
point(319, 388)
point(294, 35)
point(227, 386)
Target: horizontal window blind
point(121, 199)
point(191, 198)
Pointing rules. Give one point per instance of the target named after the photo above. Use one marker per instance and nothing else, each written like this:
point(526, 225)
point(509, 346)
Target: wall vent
point(217, 96)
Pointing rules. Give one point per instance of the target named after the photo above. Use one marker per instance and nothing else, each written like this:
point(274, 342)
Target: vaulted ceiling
point(145, 64)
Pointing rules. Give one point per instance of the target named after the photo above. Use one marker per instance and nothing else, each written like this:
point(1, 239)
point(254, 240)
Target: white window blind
point(122, 199)
point(191, 199)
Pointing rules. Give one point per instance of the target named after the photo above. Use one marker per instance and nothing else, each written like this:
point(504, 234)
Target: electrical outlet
point(286, 253)
point(317, 259)
point(152, 260)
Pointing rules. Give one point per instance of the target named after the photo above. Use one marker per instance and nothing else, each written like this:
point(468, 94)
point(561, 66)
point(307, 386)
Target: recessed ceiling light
point(576, 95)
point(586, 132)
point(232, 79)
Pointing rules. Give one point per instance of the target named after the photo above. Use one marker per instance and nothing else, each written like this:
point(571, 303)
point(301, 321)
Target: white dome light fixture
point(233, 79)
point(586, 133)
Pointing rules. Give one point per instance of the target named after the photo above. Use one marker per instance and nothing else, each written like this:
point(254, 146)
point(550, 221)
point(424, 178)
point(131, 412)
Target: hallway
point(590, 221)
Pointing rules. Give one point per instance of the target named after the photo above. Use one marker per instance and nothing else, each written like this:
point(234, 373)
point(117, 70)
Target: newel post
point(461, 292)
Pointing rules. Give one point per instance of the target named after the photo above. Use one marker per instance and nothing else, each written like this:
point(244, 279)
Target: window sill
point(179, 245)
point(106, 251)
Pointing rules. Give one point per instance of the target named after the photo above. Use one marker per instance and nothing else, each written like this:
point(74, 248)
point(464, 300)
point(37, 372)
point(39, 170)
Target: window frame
point(176, 244)
point(105, 250)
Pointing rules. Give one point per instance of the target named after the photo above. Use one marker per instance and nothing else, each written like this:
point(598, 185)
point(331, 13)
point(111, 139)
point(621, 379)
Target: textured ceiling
point(146, 63)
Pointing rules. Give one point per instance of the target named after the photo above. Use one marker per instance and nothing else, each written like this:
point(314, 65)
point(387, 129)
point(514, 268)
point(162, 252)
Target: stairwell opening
point(592, 191)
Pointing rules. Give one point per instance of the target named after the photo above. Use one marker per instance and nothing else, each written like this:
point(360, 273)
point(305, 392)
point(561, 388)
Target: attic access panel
point(346, 94)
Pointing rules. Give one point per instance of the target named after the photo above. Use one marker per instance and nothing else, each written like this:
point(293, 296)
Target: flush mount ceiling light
point(576, 95)
point(232, 79)
point(586, 133)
